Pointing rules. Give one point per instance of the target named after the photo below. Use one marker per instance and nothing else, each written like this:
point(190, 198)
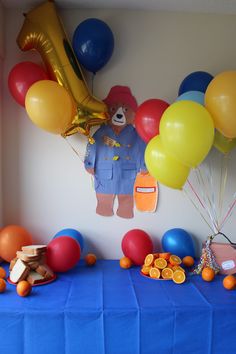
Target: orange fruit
point(2, 273)
point(188, 261)
point(23, 288)
point(145, 270)
point(178, 268)
point(208, 274)
point(2, 285)
point(156, 255)
point(154, 273)
point(149, 259)
point(167, 273)
point(165, 255)
point(160, 263)
point(174, 260)
point(179, 277)
point(90, 259)
point(125, 263)
point(229, 282)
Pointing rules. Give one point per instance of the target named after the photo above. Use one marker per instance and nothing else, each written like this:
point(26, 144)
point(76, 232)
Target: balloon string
point(75, 151)
point(199, 211)
point(92, 82)
point(205, 197)
point(229, 213)
point(209, 178)
point(223, 180)
point(191, 186)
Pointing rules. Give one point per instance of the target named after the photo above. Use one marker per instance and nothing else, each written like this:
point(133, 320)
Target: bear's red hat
point(121, 94)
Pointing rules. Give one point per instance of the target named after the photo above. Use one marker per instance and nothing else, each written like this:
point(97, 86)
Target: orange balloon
point(12, 238)
point(220, 101)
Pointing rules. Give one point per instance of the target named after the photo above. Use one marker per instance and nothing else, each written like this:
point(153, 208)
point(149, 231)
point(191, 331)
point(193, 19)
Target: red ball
point(63, 253)
point(136, 244)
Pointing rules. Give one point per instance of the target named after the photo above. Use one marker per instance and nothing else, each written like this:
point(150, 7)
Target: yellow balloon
point(223, 144)
point(220, 100)
point(42, 30)
point(187, 132)
point(50, 106)
point(163, 166)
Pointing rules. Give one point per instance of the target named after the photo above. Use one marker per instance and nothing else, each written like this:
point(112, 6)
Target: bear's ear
point(129, 114)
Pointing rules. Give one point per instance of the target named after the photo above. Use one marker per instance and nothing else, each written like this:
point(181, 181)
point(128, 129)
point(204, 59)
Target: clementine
point(208, 274)
point(2, 273)
point(174, 260)
point(179, 277)
point(165, 255)
point(229, 282)
point(90, 259)
point(155, 273)
point(125, 263)
point(145, 270)
point(167, 273)
point(2, 285)
point(149, 259)
point(160, 263)
point(188, 261)
point(23, 288)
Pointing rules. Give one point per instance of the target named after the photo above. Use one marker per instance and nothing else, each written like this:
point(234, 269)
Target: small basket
point(225, 254)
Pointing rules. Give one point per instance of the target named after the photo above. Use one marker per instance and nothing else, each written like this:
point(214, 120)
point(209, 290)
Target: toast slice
point(34, 249)
point(35, 278)
point(19, 271)
point(45, 271)
point(12, 263)
point(27, 257)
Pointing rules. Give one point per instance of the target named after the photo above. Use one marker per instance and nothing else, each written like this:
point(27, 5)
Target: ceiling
point(204, 6)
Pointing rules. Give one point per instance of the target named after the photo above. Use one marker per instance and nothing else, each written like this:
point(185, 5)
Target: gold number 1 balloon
point(43, 31)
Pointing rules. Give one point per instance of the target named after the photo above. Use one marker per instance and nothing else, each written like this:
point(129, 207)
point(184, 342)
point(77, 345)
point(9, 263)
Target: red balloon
point(136, 244)
point(21, 77)
point(147, 118)
point(63, 253)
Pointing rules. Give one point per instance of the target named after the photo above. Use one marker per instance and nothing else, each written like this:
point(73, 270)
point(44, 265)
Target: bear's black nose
point(119, 116)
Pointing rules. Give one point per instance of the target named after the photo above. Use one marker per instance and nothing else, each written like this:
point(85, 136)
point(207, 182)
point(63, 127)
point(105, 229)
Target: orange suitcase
point(145, 193)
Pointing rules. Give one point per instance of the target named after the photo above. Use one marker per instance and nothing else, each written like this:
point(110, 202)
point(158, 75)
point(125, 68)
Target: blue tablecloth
point(106, 309)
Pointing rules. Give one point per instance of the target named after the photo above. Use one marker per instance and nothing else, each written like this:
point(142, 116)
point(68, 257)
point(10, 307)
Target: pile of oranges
point(164, 266)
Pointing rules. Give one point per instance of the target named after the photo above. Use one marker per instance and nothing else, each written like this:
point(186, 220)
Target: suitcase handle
point(221, 233)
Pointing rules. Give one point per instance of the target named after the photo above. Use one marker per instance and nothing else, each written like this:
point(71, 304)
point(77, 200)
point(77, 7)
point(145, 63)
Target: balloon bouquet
point(58, 100)
point(182, 134)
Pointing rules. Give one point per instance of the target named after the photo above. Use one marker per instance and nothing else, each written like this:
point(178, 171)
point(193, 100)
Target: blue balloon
point(178, 242)
point(196, 81)
point(72, 233)
point(195, 96)
point(93, 44)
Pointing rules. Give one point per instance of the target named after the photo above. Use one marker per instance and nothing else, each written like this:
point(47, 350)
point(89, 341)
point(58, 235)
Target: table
point(106, 309)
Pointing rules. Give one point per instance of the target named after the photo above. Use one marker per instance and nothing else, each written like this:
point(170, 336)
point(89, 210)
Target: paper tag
point(146, 189)
point(228, 265)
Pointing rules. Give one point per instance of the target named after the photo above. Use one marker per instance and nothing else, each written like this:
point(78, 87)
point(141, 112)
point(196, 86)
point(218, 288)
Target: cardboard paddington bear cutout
point(117, 155)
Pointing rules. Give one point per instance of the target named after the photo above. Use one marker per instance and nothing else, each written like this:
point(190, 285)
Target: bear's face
point(121, 115)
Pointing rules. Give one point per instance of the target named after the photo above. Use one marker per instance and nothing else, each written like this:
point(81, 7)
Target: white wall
point(45, 185)
point(1, 101)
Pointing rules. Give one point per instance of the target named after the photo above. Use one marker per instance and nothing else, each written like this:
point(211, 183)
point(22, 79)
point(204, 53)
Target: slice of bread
point(27, 257)
point(35, 278)
point(45, 271)
point(19, 271)
point(34, 249)
point(12, 263)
